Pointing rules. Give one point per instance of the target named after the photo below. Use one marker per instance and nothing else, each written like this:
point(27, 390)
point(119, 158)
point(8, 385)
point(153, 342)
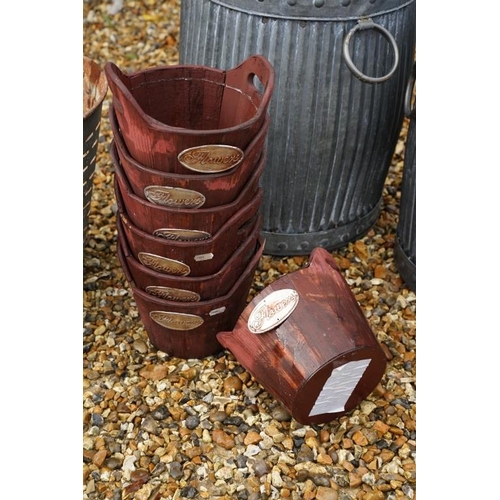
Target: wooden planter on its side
point(307, 342)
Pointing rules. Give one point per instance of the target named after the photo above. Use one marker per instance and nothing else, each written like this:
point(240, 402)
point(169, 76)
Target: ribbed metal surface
point(406, 244)
point(91, 128)
point(331, 137)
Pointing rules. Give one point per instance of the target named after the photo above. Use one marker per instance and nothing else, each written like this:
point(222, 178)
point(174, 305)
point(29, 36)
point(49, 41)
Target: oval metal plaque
point(163, 264)
point(175, 294)
point(174, 197)
point(176, 321)
point(211, 158)
point(181, 234)
point(271, 311)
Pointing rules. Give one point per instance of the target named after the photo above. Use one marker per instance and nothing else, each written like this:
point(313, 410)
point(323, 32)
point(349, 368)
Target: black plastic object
point(95, 88)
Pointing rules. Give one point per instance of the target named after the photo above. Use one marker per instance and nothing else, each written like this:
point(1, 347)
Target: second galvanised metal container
point(341, 71)
point(405, 249)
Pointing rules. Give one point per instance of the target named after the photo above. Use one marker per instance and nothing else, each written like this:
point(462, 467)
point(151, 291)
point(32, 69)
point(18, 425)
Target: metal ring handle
point(409, 91)
point(365, 24)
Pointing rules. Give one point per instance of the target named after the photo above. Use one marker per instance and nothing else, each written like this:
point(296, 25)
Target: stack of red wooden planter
point(189, 149)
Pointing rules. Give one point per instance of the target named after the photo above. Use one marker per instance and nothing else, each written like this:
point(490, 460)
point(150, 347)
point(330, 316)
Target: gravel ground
point(156, 427)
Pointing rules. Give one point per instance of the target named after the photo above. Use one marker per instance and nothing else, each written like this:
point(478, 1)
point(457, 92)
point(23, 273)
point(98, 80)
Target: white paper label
point(339, 387)
point(203, 256)
point(219, 310)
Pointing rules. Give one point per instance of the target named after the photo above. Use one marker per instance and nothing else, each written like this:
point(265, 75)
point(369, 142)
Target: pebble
point(139, 475)
point(325, 459)
point(260, 467)
point(161, 413)
point(305, 454)
point(280, 414)
point(113, 463)
point(175, 470)
point(354, 480)
point(312, 442)
point(97, 419)
point(382, 444)
point(140, 346)
point(129, 463)
point(159, 469)
point(192, 422)
point(380, 427)
point(223, 439)
point(324, 435)
point(232, 384)
point(368, 478)
point(320, 480)
point(252, 450)
point(224, 473)
point(149, 424)
point(90, 487)
point(233, 420)
point(189, 492)
point(374, 495)
point(326, 493)
point(302, 475)
point(218, 416)
point(241, 461)
point(154, 372)
point(266, 443)
point(252, 437)
point(359, 438)
point(99, 457)
point(276, 479)
point(189, 373)
point(341, 477)
point(298, 442)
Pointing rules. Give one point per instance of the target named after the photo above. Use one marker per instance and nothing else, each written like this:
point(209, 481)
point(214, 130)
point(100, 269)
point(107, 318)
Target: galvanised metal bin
point(341, 71)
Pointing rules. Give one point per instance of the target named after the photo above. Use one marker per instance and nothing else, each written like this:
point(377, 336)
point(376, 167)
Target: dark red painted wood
point(209, 286)
point(217, 314)
point(222, 245)
point(218, 188)
point(166, 109)
point(326, 330)
point(150, 216)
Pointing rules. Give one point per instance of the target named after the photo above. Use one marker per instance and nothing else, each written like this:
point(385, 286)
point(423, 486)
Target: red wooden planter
point(205, 287)
point(217, 188)
point(193, 258)
point(152, 217)
point(163, 111)
point(308, 343)
point(189, 329)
